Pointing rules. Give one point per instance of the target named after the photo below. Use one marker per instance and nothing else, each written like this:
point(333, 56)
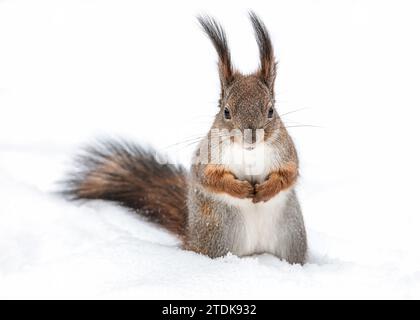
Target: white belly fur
point(261, 230)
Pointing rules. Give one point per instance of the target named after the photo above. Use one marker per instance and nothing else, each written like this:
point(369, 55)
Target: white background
point(71, 71)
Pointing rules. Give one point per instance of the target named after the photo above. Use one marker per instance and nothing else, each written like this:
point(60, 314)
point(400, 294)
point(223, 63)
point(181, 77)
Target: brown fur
point(129, 175)
point(277, 181)
point(267, 71)
point(206, 209)
point(219, 180)
point(218, 37)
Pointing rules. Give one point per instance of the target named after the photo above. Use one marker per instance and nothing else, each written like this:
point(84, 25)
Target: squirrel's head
point(246, 101)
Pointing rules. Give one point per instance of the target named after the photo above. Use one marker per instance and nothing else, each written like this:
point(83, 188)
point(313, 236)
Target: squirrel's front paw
point(241, 189)
point(265, 191)
point(276, 182)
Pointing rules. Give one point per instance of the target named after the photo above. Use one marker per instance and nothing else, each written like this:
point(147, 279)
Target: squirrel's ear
point(267, 70)
point(218, 37)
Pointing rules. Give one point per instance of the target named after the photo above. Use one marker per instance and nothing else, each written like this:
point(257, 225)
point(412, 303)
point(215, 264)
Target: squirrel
point(222, 205)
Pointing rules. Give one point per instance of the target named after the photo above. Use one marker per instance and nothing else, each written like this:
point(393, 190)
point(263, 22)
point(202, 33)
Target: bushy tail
point(129, 175)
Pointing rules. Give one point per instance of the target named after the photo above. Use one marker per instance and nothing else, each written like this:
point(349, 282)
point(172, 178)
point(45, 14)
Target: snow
point(71, 71)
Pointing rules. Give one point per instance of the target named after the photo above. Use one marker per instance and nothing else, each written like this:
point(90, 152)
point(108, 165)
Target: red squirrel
point(222, 204)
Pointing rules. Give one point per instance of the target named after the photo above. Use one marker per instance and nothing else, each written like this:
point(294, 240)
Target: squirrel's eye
point(270, 112)
point(226, 112)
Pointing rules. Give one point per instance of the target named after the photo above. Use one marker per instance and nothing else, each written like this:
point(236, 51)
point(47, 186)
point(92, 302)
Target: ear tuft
point(267, 70)
point(218, 37)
